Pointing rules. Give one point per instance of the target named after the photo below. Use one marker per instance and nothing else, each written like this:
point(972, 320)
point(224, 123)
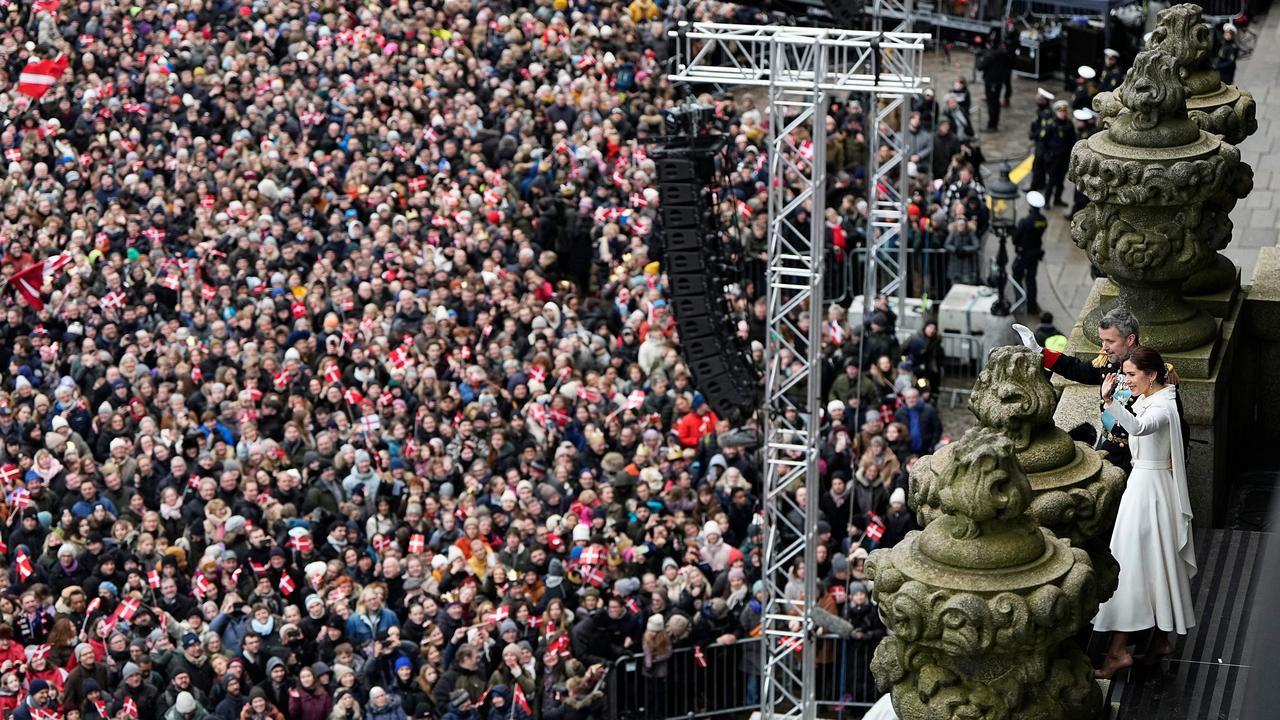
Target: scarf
point(170, 512)
point(263, 628)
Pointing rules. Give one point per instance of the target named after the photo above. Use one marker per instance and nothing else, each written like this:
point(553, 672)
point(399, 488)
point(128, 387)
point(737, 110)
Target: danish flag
point(197, 375)
point(29, 280)
point(38, 77)
point(299, 310)
point(382, 542)
point(499, 615)
point(794, 644)
point(593, 576)
point(399, 357)
point(744, 210)
point(153, 578)
point(699, 657)
point(45, 6)
point(93, 606)
point(332, 374)
point(521, 701)
point(20, 498)
point(585, 62)
point(207, 201)
point(839, 594)
point(13, 155)
point(418, 184)
point(258, 568)
point(370, 424)
point(280, 380)
point(538, 373)
point(560, 645)
point(9, 474)
point(208, 292)
point(101, 707)
point(635, 400)
point(493, 196)
point(353, 397)
point(128, 608)
point(24, 566)
point(286, 585)
point(633, 605)
point(113, 300)
point(875, 530)
point(590, 394)
point(154, 234)
point(130, 707)
point(638, 201)
point(417, 543)
point(202, 586)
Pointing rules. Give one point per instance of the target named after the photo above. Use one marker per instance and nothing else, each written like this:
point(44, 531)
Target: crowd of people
point(358, 396)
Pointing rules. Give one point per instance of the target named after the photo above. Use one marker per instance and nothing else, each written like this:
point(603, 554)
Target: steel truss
point(887, 221)
point(803, 68)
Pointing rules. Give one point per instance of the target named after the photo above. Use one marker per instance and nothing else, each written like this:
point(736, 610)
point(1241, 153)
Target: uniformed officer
point(1086, 87)
point(1112, 73)
point(1225, 61)
point(1040, 125)
point(997, 79)
point(1086, 125)
point(1059, 138)
point(1028, 248)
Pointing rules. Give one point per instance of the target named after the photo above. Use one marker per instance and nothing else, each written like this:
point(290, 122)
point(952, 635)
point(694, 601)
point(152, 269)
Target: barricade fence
point(930, 272)
point(723, 681)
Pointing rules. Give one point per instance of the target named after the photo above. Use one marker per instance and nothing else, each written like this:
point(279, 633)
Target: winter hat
point(403, 662)
point(839, 563)
point(581, 533)
point(711, 528)
point(186, 703)
point(655, 624)
point(898, 496)
point(130, 669)
point(457, 697)
point(857, 586)
point(507, 626)
point(37, 685)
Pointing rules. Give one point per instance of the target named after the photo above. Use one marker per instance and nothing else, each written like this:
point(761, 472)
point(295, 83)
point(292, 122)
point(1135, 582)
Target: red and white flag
point(875, 531)
point(153, 579)
point(418, 184)
point(113, 300)
point(699, 657)
point(130, 707)
point(20, 498)
point(744, 210)
point(24, 566)
point(417, 544)
point(332, 374)
point(353, 397)
point(45, 6)
point(92, 607)
point(590, 394)
point(286, 585)
point(635, 400)
point(128, 608)
point(520, 700)
point(208, 292)
point(560, 645)
point(9, 474)
point(399, 357)
point(30, 280)
point(585, 62)
point(202, 586)
point(38, 77)
point(593, 576)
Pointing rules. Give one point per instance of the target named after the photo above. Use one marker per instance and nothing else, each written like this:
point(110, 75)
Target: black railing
point(725, 681)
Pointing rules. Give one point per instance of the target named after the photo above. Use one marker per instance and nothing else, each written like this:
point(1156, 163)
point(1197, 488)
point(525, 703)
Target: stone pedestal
point(1225, 275)
point(1206, 399)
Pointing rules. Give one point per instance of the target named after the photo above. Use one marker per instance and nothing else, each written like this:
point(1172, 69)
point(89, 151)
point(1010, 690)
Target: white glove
point(1028, 337)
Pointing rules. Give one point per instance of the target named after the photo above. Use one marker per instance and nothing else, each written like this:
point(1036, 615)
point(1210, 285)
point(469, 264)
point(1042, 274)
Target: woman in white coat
point(1152, 536)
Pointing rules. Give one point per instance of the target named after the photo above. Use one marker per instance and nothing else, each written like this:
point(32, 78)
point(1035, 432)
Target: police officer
point(1028, 248)
point(1112, 73)
point(1060, 137)
point(997, 78)
point(1086, 87)
point(1225, 61)
point(1086, 125)
point(1040, 125)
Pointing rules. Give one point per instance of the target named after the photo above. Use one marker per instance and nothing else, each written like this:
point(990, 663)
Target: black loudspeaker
point(721, 370)
point(681, 216)
point(678, 193)
point(675, 170)
point(683, 239)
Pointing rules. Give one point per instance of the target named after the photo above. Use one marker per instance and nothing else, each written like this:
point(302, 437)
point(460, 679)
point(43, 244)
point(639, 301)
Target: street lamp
point(1004, 217)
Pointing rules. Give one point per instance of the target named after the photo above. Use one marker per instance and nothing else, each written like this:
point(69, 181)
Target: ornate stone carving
point(1161, 190)
point(982, 602)
point(1214, 107)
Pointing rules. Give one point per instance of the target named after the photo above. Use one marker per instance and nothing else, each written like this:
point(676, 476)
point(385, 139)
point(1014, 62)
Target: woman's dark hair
point(1147, 360)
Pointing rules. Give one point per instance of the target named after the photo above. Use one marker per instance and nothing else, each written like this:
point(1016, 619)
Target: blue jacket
point(363, 629)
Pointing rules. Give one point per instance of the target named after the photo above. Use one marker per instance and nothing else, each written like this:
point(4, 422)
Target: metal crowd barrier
point(929, 273)
point(724, 681)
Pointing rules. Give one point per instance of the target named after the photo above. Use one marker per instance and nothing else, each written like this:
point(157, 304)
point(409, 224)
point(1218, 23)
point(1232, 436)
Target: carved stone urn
point(1217, 108)
point(982, 604)
point(1161, 190)
point(1076, 491)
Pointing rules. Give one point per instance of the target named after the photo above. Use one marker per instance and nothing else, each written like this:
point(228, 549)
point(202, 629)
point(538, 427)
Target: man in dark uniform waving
point(1118, 331)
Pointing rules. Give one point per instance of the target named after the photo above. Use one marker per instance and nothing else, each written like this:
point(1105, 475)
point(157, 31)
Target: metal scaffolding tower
point(887, 180)
point(803, 68)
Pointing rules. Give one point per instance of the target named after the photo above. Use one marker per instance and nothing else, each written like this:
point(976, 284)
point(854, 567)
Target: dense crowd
point(359, 397)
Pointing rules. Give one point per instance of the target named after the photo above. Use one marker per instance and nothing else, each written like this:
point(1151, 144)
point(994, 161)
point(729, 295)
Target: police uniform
point(1085, 116)
point(1059, 138)
point(1028, 246)
point(1040, 125)
point(1114, 441)
point(1112, 74)
point(1086, 88)
point(1225, 59)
